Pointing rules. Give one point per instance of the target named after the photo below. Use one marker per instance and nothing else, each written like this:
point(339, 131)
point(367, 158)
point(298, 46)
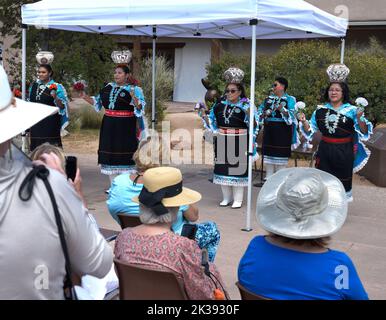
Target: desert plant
point(85, 117)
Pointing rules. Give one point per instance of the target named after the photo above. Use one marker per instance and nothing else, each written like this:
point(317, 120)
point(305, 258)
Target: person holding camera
point(46, 91)
point(33, 198)
point(277, 115)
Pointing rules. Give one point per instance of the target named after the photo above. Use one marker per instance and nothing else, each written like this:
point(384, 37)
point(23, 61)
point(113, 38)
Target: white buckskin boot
point(269, 170)
point(226, 195)
point(238, 194)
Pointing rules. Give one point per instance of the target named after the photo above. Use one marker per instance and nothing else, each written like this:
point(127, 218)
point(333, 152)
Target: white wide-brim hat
point(302, 203)
point(18, 117)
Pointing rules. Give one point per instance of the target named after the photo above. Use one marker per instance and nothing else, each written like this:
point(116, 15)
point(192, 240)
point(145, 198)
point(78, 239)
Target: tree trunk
point(137, 56)
point(216, 50)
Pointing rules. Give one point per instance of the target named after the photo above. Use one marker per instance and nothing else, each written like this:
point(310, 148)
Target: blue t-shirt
point(284, 274)
point(121, 193)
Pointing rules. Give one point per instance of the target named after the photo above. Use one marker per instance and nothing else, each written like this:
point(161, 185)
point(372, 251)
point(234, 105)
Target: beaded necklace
point(40, 88)
point(227, 117)
point(334, 118)
point(114, 93)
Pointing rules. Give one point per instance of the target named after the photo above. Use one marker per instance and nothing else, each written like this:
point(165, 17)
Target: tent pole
point(343, 42)
point(153, 106)
point(23, 60)
point(23, 79)
point(253, 23)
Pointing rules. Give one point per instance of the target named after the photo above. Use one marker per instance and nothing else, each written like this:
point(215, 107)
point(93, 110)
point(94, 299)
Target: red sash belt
point(119, 114)
point(336, 140)
point(233, 131)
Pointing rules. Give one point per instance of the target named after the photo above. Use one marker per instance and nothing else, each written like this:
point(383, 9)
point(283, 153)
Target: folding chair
point(299, 152)
point(140, 283)
point(247, 295)
point(128, 220)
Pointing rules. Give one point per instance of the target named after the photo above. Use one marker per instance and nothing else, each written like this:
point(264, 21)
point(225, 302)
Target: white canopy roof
point(277, 19)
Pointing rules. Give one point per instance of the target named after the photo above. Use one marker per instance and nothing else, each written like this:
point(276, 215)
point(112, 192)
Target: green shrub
point(85, 118)
point(304, 64)
point(164, 85)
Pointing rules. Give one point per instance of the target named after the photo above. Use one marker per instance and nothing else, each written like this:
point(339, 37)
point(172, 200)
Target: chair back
point(140, 283)
point(128, 220)
point(247, 295)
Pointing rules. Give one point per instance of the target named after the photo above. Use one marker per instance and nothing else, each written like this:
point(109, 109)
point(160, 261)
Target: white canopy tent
point(229, 19)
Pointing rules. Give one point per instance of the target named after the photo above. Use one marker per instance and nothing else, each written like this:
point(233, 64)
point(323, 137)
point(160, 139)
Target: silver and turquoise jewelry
point(331, 118)
point(114, 93)
point(227, 117)
point(39, 90)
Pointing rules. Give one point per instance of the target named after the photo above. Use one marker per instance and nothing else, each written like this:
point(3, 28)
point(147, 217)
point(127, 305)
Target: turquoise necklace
point(114, 93)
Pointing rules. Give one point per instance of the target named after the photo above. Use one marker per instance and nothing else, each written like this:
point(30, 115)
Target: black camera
point(71, 167)
point(189, 230)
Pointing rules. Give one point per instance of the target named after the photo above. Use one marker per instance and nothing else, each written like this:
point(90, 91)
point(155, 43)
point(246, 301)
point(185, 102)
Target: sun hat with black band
point(162, 188)
point(302, 203)
point(17, 115)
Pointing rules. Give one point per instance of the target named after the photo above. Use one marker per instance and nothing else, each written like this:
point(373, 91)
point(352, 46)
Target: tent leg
point(153, 106)
point(24, 146)
point(253, 23)
point(343, 43)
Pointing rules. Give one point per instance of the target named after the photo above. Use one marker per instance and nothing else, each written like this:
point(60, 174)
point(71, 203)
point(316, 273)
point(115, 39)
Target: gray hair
point(147, 216)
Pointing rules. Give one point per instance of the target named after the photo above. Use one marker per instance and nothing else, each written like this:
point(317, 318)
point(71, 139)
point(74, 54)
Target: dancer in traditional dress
point(229, 121)
point(123, 122)
point(46, 91)
point(277, 114)
point(343, 126)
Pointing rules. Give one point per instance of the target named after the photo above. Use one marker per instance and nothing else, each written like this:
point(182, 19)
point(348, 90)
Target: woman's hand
point(360, 112)
point(362, 124)
point(135, 99)
point(52, 161)
point(302, 117)
point(191, 214)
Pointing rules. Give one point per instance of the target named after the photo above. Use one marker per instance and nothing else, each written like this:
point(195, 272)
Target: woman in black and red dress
point(122, 123)
point(229, 121)
point(343, 127)
point(47, 91)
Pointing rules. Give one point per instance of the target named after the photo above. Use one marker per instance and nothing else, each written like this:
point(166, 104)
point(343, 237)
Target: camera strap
point(25, 194)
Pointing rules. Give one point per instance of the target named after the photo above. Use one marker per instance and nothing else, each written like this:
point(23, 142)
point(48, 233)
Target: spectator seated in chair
point(153, 244)
point(150, 154)
point(300, 208)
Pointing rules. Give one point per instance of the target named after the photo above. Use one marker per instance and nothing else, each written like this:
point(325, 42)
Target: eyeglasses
point(275, 85)
point(334, 90)
point(231, 91)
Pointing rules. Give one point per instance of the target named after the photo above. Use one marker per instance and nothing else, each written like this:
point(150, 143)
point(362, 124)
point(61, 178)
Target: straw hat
point(14, 119)
point(162, 188)
point(302, 203)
